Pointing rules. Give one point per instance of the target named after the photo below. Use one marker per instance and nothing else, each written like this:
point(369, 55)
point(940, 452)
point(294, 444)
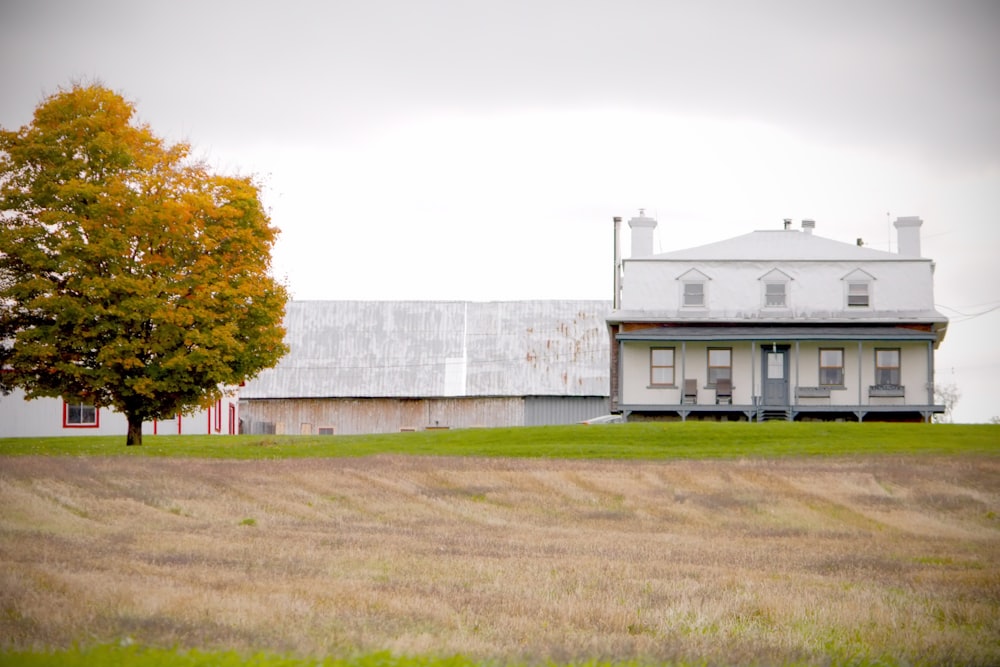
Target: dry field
point(816, 560)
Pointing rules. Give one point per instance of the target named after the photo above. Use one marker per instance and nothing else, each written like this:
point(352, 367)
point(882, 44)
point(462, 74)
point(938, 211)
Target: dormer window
point(775, 288)
point(774, 295)
point(694, 295)
point(858, 295)
point(858, 289)
point(694, 289)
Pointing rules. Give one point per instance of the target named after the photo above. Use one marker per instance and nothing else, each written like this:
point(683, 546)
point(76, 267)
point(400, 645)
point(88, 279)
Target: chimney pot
point(808, 226)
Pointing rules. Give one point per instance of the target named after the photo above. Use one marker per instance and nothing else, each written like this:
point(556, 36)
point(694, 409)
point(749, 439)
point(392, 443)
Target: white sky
point(478, 150)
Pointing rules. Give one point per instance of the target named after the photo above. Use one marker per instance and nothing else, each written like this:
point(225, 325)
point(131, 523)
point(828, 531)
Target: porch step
point(774, 414)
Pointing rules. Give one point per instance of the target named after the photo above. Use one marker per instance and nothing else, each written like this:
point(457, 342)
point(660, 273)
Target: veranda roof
point(776, 333)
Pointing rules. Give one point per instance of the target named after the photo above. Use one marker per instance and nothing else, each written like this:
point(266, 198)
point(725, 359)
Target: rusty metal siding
point(432, 349)
point(350, 416)
point(543, 348)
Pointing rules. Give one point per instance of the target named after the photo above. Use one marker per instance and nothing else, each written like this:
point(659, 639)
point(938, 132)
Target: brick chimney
point(908, 235)
point(642, 234)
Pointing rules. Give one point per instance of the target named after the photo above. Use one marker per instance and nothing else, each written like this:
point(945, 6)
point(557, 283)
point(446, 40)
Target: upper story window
point(858, 294)
point(858, 289)
point(694, 289)
point(775, 295)
point(661, 366)
point(694, 294)
point(80, 415)
point(775, 288)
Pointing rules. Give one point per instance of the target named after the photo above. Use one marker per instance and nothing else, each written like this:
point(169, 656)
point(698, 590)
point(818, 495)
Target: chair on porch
point(690, 392)
point(724, 391)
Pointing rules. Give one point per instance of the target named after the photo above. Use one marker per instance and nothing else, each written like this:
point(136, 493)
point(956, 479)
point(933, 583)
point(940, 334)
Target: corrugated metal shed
point(419, 349)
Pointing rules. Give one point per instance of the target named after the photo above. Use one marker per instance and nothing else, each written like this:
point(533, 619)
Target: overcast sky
point(478, 150)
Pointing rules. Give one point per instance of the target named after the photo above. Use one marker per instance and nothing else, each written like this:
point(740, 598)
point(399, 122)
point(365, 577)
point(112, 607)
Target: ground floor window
point(661, 366)
point(79, 415)
point(887, 366)
point(720, 364)
point(831, 367)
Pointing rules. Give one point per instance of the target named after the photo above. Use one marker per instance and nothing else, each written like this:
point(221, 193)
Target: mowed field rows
point(765, 561)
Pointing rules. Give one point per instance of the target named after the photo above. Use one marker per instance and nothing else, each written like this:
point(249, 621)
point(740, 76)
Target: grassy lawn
point(606, 546)
point(636, 441)
point(133, 656)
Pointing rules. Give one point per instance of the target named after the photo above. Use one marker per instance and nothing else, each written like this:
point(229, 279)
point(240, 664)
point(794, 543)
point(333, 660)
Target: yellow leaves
point(142, 386)
point(146, 276)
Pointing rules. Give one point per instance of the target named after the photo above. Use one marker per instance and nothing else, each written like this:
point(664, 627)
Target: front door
point(775, 374)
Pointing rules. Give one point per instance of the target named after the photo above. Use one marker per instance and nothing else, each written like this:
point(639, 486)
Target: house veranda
point(767, 372)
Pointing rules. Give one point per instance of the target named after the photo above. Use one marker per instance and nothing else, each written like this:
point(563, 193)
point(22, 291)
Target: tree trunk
point(134, 436)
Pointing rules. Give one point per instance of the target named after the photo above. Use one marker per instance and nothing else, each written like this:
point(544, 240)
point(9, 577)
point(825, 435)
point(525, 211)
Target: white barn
point(45, 417)
point(384, 366)
point(775, 324)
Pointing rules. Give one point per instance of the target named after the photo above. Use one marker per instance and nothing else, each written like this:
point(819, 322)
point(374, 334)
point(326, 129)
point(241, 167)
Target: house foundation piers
point(791, 413)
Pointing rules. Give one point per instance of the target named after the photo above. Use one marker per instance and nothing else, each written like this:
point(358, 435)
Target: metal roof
point(418, 349)
point(783, 245)
point(776, 333)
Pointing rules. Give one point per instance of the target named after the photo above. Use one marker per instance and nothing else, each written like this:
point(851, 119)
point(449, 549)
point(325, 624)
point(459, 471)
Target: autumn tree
point(131, 276)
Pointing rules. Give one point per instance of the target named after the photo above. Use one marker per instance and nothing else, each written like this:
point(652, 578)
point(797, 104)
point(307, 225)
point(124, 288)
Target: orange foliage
point(136, 273)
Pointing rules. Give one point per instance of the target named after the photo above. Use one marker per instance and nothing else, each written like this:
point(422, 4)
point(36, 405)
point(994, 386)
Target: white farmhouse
point(775, 324)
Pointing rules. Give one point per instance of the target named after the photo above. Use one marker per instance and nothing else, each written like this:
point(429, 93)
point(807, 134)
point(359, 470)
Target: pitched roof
point(780, 245)
point(416, 349)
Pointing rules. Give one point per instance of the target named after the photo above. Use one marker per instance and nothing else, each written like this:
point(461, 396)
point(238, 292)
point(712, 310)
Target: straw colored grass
point(752, 561)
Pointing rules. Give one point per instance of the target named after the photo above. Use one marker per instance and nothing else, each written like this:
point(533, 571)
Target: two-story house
point(775, 324)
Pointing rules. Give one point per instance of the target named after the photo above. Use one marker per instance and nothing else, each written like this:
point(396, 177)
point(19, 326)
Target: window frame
point(897, 368)
point(713, 371)
point(784, 293)
point(653, 366)
point(81, 406)
point(867, 293)
point(684, 294)
point(823, 367)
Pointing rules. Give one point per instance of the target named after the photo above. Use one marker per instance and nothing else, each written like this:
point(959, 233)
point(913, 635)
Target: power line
point(965, 317)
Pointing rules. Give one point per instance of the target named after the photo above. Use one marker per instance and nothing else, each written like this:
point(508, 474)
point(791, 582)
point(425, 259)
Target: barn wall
point(43, 417)
point(545, 410)
point(376, 415)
